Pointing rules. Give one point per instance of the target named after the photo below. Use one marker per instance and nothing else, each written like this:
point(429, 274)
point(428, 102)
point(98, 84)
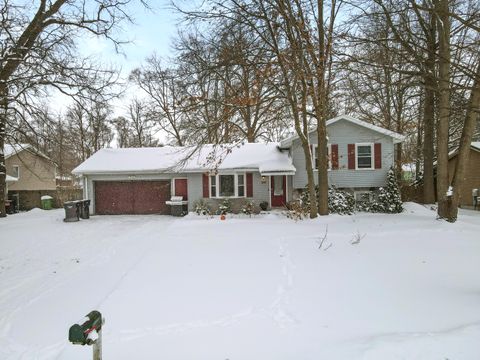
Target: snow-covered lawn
point(255, 288)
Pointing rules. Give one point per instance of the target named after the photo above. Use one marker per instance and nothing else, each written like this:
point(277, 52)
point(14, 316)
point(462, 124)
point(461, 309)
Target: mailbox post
point(88, 331)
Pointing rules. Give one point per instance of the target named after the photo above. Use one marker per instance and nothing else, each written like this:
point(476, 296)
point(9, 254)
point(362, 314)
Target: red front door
point(278, 190)
point(181, 188)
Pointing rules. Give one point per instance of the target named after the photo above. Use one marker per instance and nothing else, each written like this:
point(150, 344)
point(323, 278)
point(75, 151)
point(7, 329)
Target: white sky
point(152, 32)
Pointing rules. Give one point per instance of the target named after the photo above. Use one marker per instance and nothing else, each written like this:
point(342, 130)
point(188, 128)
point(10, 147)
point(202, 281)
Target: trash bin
point(85, 209)
point(72, 211)
point(47, 202)
point(178, 206)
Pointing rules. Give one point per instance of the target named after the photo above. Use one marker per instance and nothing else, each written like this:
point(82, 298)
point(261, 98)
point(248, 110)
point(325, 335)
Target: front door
point(181, 188)
point(278, 190)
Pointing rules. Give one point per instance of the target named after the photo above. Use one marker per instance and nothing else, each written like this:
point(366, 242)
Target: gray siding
point(343, 133)
point(260, 193)
point(195, 187)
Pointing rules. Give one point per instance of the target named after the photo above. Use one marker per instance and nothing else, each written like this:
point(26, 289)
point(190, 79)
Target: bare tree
point(38, 51)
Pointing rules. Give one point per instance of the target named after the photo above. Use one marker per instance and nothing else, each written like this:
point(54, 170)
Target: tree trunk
point(428, 140)
point(451, 207)
point(429, 115)
point(3, 169)
point(322, 167)
point(444, 106)
point(311, 179)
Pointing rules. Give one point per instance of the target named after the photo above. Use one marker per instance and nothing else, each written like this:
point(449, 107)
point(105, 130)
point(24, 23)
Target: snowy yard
point(257, 288)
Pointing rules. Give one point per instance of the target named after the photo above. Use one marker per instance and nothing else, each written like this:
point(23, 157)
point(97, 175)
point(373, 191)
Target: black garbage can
point(72, 211)
point(85, 209)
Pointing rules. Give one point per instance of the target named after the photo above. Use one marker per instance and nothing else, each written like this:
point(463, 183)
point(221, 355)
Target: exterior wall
point(261, 191)
point(36, 172)
point(343, 133)
point(89, 183)
point(472, 180)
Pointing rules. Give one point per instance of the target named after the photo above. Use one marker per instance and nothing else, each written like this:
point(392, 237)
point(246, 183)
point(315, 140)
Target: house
point(472, 178)
point(34, 173)
point(361, 154)
point(141, 180)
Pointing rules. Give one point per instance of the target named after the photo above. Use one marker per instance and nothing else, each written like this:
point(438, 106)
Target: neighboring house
point(34, 173)
point(472, 176)
point(140, 180)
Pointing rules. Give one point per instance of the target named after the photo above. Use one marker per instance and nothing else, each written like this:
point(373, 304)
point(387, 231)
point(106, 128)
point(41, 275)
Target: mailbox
point(81, 332)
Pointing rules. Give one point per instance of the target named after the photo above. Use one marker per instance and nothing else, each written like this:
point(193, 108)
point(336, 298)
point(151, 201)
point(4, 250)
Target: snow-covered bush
point(368, 203)
point(224, 208)
point(386, 200)
point(340, 202)
point(263, 205)
point(202, 208)
point(248, 208)
point(389, 197)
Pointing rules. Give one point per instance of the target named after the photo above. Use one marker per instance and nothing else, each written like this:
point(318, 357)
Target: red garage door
point(131, 197)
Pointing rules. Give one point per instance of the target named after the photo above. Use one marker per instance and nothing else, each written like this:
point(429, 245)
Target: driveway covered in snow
point(380, 287)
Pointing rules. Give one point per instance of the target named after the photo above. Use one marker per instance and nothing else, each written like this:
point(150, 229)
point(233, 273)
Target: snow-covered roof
point(397, 138)
point(10, 150)
point(474, 145)
point(11, 178)
point(264, 157)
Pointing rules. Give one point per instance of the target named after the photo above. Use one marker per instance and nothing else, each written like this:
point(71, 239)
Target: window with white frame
point(227, 185)
point(315, 156)
point(16, 171)
point(364, 156)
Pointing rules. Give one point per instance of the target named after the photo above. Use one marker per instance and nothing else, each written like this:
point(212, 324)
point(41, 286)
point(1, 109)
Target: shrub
point(248, 208)
point(201, 208)
point(264, 205)
point(297, 211)
point(389, 197)
point(224, 208)
point(339, 201)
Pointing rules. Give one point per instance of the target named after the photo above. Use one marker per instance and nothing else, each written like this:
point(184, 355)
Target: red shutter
point(334, 156)
point(351, 156)
point(378, 155)
point(205, 186)
point(249, 185)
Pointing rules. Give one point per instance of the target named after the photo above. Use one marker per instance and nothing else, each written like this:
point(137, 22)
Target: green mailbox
point(82, 333)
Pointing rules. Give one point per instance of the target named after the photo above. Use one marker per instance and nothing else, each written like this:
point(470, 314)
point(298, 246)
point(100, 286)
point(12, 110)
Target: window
point(315, 156)
point(16, 171)
point(227, 185)
point(213, 186)
point(364, 158)
point(241, 185)
point(363, 196)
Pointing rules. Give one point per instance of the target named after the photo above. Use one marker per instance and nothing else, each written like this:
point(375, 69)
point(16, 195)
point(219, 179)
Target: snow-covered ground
point(242, 288)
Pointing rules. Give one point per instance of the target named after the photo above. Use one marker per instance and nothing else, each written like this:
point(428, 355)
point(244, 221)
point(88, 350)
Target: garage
point(132, 197)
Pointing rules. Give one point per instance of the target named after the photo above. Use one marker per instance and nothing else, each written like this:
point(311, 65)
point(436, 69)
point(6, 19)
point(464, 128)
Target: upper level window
point(315, 156)
point(364, 158)
point(16, 171)
point(227, 185)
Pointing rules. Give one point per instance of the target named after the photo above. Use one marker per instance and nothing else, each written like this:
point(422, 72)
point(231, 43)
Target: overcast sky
point(152, 32)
